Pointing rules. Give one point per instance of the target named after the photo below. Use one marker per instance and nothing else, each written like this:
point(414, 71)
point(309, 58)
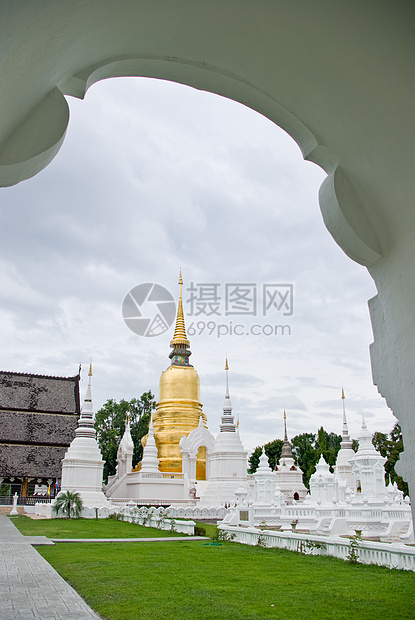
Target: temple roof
point(41, 393)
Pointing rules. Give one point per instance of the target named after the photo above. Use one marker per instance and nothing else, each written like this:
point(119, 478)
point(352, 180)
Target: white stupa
point(346, 453)
point(125, 450)
point(323, 484)
point(227, 460)
point(288, 476)
point(150, 461)
point(368, 467)
point(265, 482)
point(82, 466)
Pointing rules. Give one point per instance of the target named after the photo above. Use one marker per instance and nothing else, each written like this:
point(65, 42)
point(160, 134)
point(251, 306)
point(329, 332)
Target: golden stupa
point(179, 408)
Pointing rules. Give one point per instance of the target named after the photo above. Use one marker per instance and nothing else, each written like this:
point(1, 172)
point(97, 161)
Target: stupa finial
point(286, 447)
point(345, 430)
point(86, 419)
point(180, 337)
point(227, 378)
point(228, 423)
point(285, 427)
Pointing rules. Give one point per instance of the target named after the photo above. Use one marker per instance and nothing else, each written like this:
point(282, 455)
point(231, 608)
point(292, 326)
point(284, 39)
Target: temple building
point(38, 418)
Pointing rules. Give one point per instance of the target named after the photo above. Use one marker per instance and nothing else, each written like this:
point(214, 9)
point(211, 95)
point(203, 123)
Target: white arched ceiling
point(337, 76)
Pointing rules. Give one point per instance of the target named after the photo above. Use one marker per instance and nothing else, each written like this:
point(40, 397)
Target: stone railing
point(46, 510)
point(149, 517)
point(124, 501)
point(368, 552)
point(156, 517)
point(24, 501)
point(195, 512)
point(172, 476)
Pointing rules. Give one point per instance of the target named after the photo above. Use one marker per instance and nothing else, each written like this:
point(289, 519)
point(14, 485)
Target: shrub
point(69, 503)
point(222, 535)
point(353, 556)
point(200, 531)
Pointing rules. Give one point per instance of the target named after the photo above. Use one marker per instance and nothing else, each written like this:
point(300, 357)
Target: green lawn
point(194, 581)
point(197, 581)
point(85, 528)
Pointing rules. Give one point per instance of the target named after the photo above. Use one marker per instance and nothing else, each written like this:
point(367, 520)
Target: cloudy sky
point(154, 177)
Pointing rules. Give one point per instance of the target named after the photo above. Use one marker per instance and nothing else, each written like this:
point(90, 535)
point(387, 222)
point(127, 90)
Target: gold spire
point(180, 337)
point(90, 370)
point(343, 396)
point(226, 364)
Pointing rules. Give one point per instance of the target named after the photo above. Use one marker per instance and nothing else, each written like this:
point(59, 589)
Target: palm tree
point(69, 503)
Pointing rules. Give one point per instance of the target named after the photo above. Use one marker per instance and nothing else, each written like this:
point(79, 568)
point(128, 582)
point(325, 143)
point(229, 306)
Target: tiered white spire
point(286, 452)
point(126, 444)
point(150, 462)
point(343, 463)
point(228, 424)
point(86, 420)
point(365, 440)
point(345, 443)
point(263, 466)
point(368, 466)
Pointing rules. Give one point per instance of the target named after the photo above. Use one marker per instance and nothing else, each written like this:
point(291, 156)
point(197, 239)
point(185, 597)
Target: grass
point(197, 581)
point(86, 528)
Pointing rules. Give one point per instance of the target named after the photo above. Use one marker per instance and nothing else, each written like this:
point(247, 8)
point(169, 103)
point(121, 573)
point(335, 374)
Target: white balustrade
point(369, 552)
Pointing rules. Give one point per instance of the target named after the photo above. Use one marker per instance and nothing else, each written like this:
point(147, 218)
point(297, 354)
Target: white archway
point(324, 71)
point(200, 437)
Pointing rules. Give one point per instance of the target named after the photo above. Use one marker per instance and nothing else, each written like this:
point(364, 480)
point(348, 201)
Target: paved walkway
point(50, 541)
point(29, 587)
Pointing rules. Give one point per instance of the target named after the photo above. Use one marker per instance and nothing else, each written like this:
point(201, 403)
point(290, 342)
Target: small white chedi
point(82, 466)
point(288, 476)
point(227, 460)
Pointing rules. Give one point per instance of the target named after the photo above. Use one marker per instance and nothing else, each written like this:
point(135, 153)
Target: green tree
point(110, 426)
point(308, 447)
point(306, 454)
point(273, 451)
point(328, 444)
point(391, 447)
point(253, 460)
point(69, 503)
